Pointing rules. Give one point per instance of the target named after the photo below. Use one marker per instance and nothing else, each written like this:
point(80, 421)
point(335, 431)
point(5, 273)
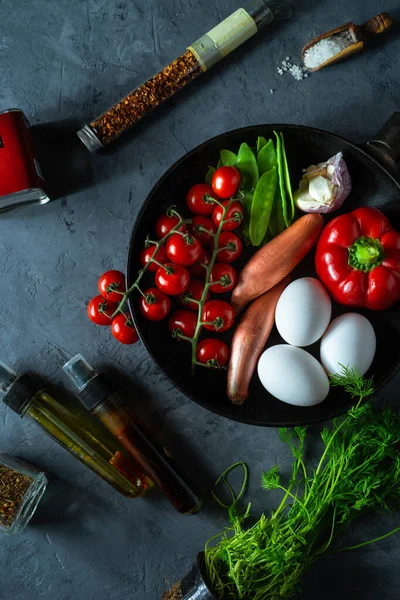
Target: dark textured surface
point(69, 61)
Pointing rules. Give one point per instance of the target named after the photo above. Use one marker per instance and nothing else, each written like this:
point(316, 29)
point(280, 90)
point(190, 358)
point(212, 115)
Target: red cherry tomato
point(182, 321)
point(213, 353)
point(154, 305)
point(219, 314)
point(226, 275)
point(194, 291)
point(231, 247)
point(172, 279)
point(199, 199)
point(233, 217)
point(225, 182)
point(199, 223)
point(148, 253)
point(164, 225)
point(100, 310)
point(123, 330)
point(110, 283)
point(197, 268)
point(183, 249)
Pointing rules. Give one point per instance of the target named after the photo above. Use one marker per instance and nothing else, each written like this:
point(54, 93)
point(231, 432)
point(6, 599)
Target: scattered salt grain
point(298, 72)
point(326, 48)
point(271, 91)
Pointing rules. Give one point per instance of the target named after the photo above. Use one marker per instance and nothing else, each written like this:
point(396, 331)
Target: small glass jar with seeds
point(21, 488)
point(198, 58)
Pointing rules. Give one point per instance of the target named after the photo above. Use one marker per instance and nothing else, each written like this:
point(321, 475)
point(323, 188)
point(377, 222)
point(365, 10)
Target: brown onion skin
point(249, 340)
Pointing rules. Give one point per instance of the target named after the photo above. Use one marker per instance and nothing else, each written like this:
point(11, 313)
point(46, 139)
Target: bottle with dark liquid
point(97, 395)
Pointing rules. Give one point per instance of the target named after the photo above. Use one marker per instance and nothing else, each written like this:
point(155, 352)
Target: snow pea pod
point(266, 158)
point(228, 158)
point(262, 204)
point(287, 180)
point(281, 179)
point(261, 142)
point(209, 175)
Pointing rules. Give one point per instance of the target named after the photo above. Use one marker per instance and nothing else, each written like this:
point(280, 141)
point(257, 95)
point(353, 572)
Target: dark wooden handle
point(377, 24)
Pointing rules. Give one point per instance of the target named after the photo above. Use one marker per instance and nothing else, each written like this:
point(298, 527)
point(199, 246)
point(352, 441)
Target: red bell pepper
point(358, 259)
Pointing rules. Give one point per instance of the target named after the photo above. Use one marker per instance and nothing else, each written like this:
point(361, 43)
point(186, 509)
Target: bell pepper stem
point(365, 254)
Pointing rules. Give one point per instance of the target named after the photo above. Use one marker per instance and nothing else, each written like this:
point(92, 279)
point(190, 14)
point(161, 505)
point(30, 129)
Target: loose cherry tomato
point(226, 275)
point(100, 310)
point(231, 247)
point(183, 249)
point(197, 268)
point(148, 253)
point(218, 314)
point(123, 330)
point(182, 321)
point(154, 305)
point(213, 353)
point(194, 291)
point(233, 217)
point(165, 223)
point(199, 223)
point(225, 182)
point(172, 279)
point(110, 283)
point(200, 199)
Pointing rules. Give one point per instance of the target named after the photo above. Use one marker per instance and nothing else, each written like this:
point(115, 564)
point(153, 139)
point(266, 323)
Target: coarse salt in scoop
point(339, 43)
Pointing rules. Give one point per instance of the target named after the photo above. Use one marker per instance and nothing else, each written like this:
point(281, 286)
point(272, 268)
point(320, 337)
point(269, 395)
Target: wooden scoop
point(358, 33)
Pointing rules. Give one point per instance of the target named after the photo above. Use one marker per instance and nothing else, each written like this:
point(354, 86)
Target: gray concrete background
point(69, 60)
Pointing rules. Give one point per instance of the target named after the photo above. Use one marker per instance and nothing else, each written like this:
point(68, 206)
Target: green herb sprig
point(359, 470)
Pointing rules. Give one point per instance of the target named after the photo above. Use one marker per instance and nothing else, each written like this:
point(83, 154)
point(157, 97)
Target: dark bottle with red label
point(21, 181)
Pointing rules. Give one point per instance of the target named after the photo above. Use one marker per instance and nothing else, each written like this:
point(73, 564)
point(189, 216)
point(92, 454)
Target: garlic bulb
point(324, 187)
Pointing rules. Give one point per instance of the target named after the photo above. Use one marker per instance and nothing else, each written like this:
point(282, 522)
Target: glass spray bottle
point(98, 396)
point(100, 453)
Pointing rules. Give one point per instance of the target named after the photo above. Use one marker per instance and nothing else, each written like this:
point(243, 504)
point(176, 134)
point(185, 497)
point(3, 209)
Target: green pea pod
point(209, 175)
point(261, 206)
point(276, 222)
point(261, 142)
point(247, 165)
point(281, 179)
point(287, 180)
point(228, 158)
point(266, 158)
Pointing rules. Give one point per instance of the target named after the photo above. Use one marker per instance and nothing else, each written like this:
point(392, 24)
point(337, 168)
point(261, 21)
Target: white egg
point(349, 341)
point(303, 312)
point(293, 375)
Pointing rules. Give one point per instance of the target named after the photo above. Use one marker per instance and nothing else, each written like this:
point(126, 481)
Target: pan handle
point(385, 147)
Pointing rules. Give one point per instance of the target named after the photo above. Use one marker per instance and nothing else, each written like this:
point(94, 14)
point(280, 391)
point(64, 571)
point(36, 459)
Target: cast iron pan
point(374, 184)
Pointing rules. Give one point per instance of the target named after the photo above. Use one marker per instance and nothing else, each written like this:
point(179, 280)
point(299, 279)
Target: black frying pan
point(372, 169)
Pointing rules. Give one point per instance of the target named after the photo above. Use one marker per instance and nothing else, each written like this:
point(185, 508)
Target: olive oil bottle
point(99, 452)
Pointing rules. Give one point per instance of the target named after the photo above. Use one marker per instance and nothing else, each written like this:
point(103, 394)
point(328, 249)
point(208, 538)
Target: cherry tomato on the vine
point(101, 310)
point(123, 329)
point(218, 314)
point(225, 182)
point(233, 217)
point(200, 223)
point(231, 247)
point(226, 275)
point(183, 249)
point(147, 253)
point(182, 321)
point(200, 199)
point(110, 283)
point(172, 279)
point(165, 223)
point(154, 305)
point(197, 268)
point(194, 291)
point(213, 353)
